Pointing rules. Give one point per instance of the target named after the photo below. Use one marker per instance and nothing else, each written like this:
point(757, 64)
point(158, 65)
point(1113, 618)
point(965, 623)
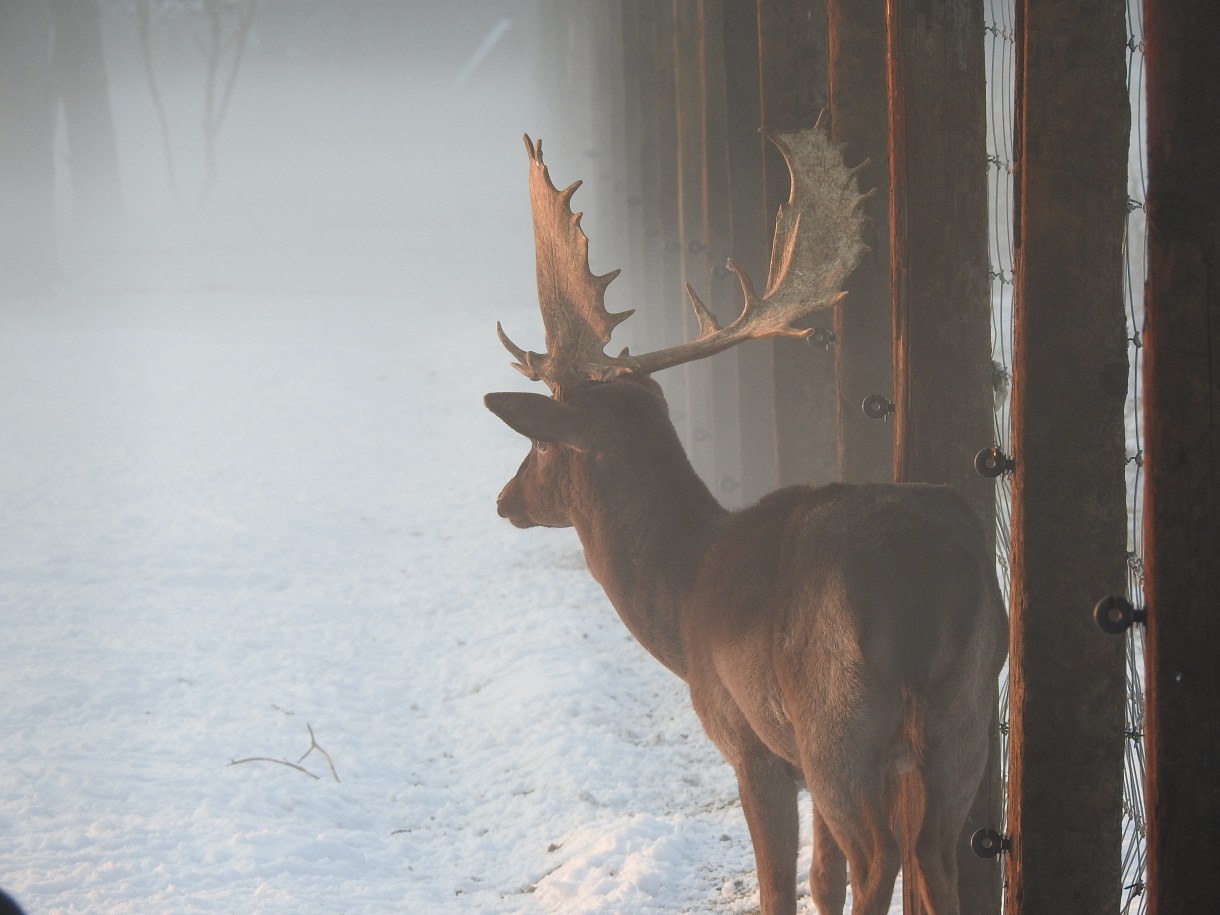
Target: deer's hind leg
point(858, 820)
point(828, 872)
point(851, 799)
point(767, 786)
point(769, 799)
point(952, 771)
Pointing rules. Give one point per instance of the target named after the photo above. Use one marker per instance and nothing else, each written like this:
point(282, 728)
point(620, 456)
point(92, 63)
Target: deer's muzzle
point(508, 507)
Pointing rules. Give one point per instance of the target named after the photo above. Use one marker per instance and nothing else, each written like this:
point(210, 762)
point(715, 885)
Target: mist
point(248, 489)
point(401, 118)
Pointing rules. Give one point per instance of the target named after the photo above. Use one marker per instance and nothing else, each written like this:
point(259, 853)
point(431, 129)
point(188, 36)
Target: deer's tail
point(909, 798)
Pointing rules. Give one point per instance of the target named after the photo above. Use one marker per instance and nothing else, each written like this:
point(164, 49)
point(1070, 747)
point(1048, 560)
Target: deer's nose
point(504, 504)
point(506, 508)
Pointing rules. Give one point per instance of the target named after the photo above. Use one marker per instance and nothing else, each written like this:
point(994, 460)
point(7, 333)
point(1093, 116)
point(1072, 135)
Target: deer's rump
point(850, 616)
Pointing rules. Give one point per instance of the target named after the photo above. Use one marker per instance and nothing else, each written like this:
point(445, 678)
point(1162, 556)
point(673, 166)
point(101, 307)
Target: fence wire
point(1001, 66)
point(1135, 258)
point(1001, 38)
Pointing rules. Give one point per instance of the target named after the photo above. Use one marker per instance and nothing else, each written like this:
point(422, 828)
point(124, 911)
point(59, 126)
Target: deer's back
point(832, 596)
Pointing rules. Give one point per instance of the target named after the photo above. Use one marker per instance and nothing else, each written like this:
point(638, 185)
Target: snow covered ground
point(247, 487)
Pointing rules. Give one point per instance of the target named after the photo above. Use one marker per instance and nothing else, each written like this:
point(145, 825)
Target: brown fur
point(843, 637)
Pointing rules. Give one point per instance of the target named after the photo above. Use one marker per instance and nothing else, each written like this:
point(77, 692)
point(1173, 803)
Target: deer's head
point(597, 435)
point(605, 414)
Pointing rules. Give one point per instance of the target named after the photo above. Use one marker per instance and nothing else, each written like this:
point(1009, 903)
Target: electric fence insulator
point(1115, 615)
point(992, 462)
point(876, 406)
point(987, 843)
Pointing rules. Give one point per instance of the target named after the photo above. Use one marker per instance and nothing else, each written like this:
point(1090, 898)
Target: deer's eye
point(542, 447)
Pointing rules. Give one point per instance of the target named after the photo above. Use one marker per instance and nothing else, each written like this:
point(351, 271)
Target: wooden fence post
point(864, 341)
point(651, 146)
point(1069, 518)
point(941, 315)
point(714, 450)
point(792, 65)
point(748, 241)
point(1182, 449)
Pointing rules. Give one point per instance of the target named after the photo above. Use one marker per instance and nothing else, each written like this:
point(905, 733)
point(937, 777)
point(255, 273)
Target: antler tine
point(818, 243)
point(759, 318)
point(524, 363)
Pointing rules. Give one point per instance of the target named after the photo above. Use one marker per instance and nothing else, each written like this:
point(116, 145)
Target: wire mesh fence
point(1000, 61)
point(1134, 253)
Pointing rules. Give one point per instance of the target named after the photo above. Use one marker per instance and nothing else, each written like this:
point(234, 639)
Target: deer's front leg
point(769, 799)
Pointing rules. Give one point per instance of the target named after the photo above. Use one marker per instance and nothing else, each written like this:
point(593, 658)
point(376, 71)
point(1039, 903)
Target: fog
point(248, 489)
point(248, 486)
point(403, 116)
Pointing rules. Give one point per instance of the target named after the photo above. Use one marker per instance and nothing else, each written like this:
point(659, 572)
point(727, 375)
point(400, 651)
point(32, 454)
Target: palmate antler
point(818, 242)
point(571, 297)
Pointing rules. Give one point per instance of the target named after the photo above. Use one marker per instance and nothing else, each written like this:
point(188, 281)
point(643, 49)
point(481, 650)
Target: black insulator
point(987, 843)
point(876, 406)
point(1115, 615)
point(992, 462)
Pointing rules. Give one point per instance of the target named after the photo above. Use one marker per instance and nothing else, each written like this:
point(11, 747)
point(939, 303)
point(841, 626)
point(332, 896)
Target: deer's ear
point(540, 417)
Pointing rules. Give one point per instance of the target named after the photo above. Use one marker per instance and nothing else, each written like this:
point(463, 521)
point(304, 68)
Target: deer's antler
point(818, 243)
point(571, 296)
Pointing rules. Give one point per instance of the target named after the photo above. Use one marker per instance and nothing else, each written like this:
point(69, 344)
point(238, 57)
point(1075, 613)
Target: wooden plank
point(1181, 442)
point(1069, 388)
point(864, 341)
point(792, 55)
point(941, 313)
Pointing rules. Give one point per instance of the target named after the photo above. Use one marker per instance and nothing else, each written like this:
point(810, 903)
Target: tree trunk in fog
point(80, 78)
point(28, 262)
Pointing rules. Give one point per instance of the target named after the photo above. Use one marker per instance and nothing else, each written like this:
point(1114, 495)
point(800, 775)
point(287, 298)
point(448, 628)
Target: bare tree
point(222, 43)
point(80, 79)
point(28, 259)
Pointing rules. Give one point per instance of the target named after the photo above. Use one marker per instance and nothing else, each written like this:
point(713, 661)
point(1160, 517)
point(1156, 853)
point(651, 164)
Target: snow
point(248, 490)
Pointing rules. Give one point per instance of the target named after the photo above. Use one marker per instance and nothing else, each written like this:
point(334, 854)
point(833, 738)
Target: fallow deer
point(836, 637)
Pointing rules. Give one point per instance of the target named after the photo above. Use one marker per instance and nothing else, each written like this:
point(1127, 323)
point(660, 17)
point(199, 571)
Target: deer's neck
point(645, 535)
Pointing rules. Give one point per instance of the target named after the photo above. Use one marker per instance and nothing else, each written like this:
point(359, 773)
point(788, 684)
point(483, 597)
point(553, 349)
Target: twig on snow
point(313, 745)
point(282, 762)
